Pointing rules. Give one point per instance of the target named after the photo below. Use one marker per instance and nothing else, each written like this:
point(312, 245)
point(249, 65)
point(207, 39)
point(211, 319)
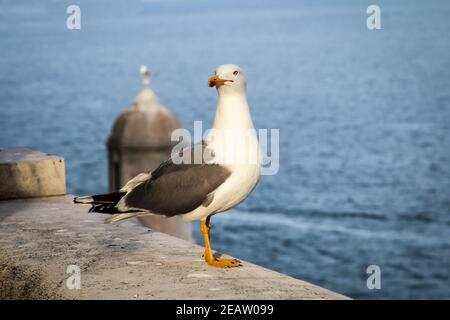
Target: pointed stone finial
point(145, 72)
point(146, 98)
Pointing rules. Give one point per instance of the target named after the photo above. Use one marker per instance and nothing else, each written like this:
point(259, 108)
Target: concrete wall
point(41, 237)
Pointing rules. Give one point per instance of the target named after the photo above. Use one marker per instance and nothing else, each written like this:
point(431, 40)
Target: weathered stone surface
point(40, 238)
point(25, 173)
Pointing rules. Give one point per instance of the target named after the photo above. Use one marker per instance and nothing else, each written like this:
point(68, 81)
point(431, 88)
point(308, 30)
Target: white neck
point(233, 137)
point(232, 111)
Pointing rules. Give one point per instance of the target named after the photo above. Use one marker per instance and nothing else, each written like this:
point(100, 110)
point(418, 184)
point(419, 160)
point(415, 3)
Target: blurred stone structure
point(26, 173)
point(139, 142)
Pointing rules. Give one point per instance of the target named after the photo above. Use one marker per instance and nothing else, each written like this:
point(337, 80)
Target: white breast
point(245, 174)
point(241, 155)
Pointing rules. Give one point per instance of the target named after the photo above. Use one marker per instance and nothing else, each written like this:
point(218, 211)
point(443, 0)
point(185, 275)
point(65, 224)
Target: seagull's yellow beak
point(215, 81)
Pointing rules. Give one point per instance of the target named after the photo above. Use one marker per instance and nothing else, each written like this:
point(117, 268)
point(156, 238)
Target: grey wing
point(175, 189)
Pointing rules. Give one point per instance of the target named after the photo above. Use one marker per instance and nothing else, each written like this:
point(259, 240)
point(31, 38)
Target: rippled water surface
point(364, 119)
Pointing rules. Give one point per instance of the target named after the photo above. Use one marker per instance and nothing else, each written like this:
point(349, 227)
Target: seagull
point(228, 171)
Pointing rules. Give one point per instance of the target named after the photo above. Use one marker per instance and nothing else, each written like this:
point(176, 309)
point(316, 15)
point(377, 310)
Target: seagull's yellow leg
point(209, 258)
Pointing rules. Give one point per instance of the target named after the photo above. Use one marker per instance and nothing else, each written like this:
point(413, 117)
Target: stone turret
point(139, 142)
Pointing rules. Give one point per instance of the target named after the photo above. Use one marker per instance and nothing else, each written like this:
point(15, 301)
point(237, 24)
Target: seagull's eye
point(235, 73)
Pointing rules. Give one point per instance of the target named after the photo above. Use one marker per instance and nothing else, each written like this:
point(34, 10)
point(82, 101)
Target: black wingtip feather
point(104, 208)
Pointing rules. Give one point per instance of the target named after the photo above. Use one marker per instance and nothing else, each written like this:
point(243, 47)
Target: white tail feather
point(122, 216)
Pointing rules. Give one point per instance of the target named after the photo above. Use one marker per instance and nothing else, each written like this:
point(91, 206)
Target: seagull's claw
point(224, 263)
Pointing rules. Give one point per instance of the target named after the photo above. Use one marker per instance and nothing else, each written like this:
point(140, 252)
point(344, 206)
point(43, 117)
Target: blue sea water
point(364, 119)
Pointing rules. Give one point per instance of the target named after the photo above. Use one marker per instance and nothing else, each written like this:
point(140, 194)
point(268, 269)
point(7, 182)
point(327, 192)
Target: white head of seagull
point(228, 78)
